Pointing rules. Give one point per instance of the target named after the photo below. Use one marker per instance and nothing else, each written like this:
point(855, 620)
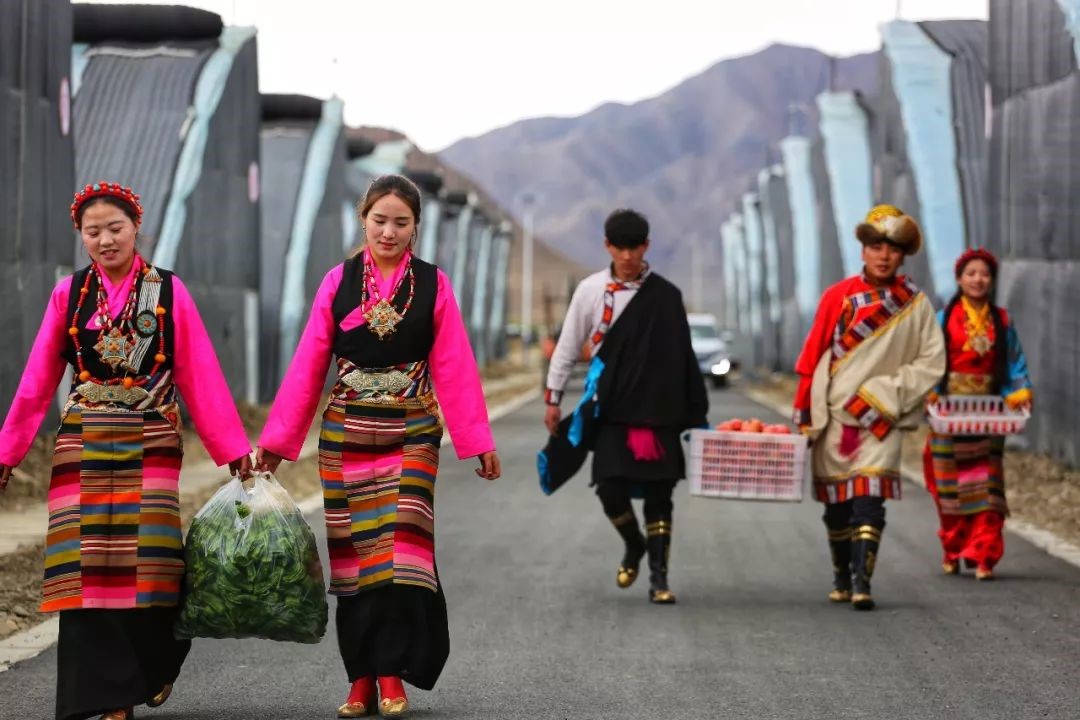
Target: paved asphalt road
point(539, 629)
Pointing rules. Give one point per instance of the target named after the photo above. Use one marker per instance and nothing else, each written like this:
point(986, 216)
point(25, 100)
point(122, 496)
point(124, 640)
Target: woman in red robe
point(964, 473)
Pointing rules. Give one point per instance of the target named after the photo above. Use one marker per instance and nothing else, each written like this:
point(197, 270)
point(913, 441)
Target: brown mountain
point(683, 158)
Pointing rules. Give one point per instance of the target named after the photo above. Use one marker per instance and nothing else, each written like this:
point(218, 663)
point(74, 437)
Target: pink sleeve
point(37, 388)
point(457, 379)
point(301, 389)
point(198, 377)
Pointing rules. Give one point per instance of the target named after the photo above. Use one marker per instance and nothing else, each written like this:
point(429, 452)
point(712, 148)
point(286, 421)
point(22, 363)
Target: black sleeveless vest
point(88, 338)
point(414, 336)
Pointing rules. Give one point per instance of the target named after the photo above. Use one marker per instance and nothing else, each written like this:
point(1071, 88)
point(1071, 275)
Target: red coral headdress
point(105, 189)
point(977, 254)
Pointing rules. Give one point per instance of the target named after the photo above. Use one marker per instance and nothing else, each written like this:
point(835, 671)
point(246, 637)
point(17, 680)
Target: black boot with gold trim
point(626, 525)
point(658, 541)
point(864, 549)
point(840, 549)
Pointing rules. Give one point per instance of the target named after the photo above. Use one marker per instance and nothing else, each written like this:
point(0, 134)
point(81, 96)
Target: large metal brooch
point(382, 318)
point(114, 348)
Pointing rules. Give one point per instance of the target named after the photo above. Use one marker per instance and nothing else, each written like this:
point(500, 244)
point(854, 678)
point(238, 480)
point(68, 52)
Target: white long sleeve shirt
point(583, 319)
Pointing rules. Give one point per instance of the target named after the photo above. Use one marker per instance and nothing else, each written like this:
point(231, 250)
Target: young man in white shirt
point(648, 390)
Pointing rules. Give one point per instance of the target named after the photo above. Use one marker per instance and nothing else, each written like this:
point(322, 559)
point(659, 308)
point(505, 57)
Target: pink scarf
point(644, 444)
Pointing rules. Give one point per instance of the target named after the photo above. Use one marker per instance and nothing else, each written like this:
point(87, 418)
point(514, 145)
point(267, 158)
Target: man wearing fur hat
point(874, 352)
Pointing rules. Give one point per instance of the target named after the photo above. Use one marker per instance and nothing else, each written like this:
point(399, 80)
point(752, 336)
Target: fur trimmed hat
point(886, 223)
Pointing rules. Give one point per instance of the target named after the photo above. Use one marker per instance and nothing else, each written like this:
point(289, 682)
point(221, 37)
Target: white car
point(709, 348)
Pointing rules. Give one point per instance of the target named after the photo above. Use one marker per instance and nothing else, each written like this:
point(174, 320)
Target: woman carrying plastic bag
point(253, 568)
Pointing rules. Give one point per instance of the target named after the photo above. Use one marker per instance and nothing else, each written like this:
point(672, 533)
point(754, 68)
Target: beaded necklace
point(115, 342)
point(382, 317)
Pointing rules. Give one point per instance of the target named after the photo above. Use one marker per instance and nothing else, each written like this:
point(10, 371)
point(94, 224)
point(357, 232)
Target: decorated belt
point(969, 383)
point(112, 394)
point(383, 383)
point(407, 385)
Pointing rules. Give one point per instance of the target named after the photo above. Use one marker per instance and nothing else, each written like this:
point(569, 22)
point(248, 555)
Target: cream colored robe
point(885, 380)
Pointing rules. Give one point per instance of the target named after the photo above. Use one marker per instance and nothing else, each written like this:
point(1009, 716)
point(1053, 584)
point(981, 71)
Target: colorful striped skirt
point(378, 464)
point(966, 474)
point(114, 539)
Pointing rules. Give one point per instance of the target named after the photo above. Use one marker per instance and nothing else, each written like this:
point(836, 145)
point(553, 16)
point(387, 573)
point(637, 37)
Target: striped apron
point(114, 538)
point(378, 459)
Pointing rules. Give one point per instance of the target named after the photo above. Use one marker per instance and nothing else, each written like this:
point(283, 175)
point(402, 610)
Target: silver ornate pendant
point(382, 318)
point(114, 348)
point(981, 344)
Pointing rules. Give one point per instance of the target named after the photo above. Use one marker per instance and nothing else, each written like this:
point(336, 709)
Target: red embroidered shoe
point(361, 700)
point(392, 700)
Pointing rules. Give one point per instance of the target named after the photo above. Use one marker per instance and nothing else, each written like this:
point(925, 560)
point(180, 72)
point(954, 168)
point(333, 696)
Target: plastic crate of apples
point(747, 460)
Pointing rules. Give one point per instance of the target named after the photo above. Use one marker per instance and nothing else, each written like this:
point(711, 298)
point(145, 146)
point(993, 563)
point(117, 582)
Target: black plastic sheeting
point(1029, 46)
point(1034, 219)
point(1034, 152)
point(284, 148)
point(132, 113)
point(290, 107)
point(789, 332)
point(1041, 297)
point(469, 292)
point(36, 159)
point(285, 145)
point(832, 262)
point(429, 183)
point(894, 178)
point(966, 41)
point(357, 147)
point(448, 237)
point(356, 185)
point(220, 244)
point(327, 237)
point(128, 116)
point(142, 23)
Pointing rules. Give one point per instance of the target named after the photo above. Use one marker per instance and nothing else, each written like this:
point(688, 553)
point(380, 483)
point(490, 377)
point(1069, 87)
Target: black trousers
point(855, 513)
point(615, 494)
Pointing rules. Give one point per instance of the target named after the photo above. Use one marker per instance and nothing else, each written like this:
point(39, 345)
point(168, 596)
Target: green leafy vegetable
point(253, 568)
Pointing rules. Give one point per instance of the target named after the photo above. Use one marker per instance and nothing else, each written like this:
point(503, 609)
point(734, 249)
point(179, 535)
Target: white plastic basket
point(747, 466)
point(975, 415)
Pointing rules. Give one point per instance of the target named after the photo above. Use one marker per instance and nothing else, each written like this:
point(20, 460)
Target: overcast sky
point(441, 70)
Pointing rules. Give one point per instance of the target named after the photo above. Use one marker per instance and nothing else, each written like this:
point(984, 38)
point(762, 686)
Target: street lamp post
point(528, 202)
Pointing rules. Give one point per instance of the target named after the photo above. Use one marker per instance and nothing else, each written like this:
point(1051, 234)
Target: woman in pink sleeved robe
point(114, 557)
point(392, 324)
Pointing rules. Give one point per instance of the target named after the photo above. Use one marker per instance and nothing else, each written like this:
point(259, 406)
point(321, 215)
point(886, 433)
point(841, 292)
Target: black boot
point(864, 549)
point(658, 539)
point(626, 525)
point(840, 549)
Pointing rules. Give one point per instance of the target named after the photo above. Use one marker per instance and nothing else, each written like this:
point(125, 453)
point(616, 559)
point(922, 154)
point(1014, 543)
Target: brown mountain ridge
point(684, 158)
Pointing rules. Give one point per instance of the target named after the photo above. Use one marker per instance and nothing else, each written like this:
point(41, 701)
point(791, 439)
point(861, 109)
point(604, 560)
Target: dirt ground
point(20, 572)
point(1039, 489)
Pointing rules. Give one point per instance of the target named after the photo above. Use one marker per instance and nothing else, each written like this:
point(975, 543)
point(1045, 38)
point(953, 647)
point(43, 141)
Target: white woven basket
point(975, 415)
